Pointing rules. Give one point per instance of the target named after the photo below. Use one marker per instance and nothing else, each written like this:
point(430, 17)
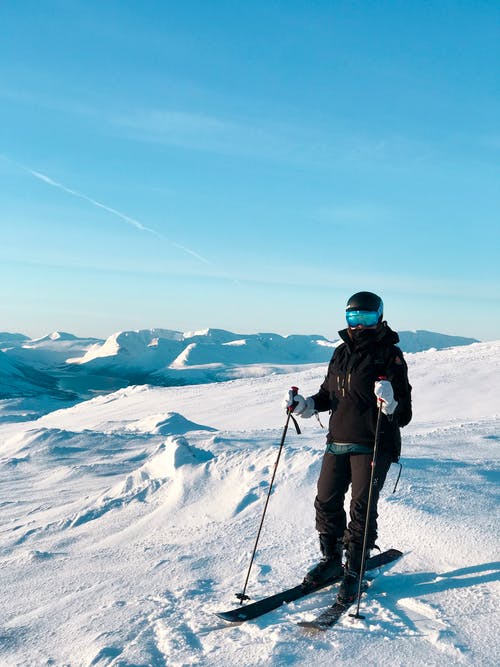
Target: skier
point(365, 371)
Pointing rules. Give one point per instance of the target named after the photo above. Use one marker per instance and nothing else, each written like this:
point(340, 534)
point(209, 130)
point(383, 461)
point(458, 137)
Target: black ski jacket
point(347, 390)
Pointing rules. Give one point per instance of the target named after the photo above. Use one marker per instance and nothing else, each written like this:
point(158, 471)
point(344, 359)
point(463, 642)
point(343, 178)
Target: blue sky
point(248, 166)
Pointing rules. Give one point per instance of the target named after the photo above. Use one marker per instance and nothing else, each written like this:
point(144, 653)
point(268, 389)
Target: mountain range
point(69, 367)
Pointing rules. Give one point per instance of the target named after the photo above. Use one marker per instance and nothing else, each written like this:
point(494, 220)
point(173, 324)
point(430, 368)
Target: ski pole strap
point(291, 408)
point(399, 475)
point(297, 428)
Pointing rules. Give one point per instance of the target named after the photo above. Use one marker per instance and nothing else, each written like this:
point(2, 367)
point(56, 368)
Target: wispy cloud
point(296, 143)
point(68, 104)
point(205, 132)
point(361, 214)
point(186, 128)
point(109, 209)
point(267, 137)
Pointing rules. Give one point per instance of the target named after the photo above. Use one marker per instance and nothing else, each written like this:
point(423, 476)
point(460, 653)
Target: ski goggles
point(367, 318)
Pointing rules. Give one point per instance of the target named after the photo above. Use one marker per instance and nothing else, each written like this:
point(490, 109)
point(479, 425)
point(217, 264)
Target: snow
point(129, 518)
point(81, 367)
point(19, 380)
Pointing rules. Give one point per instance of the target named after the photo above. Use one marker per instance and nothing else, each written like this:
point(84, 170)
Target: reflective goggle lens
point(368, 318)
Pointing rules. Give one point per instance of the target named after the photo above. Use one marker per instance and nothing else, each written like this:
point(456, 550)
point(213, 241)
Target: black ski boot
point(349, 586)
point(330, 566)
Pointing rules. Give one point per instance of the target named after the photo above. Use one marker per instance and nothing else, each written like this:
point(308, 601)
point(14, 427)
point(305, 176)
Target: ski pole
point(242, 596)
point(368, 508)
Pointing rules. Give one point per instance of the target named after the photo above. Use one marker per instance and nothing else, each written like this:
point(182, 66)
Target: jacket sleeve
point(397, 372)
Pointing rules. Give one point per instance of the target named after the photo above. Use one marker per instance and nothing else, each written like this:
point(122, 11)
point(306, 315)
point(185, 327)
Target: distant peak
point(55, 335)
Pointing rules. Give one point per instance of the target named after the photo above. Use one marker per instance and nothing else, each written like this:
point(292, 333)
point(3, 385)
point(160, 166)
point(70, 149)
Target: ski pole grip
point(380, 401)
point(295, 391)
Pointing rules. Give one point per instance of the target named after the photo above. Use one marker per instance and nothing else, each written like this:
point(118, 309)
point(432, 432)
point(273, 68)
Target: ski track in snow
point(127, 520)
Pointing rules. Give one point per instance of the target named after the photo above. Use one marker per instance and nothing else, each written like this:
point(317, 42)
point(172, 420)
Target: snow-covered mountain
point(48, 352)
point(420, 340)
point(81, 366)
point(156, 349)
point(164, 357)
point(129, 518)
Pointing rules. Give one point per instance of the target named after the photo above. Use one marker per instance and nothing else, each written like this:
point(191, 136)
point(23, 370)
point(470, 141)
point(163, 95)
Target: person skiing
point(367, 370)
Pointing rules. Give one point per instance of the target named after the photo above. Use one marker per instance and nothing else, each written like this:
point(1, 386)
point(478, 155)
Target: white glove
point(304, 407)
point(384, 393)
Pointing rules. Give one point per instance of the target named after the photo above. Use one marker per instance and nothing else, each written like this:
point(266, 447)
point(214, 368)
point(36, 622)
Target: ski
point(329, 616)
point(265, 605)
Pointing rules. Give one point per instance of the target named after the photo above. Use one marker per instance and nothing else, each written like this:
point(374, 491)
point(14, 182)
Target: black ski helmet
point(366, 301)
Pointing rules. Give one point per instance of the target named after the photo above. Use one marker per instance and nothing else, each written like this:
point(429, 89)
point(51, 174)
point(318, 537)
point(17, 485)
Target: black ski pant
point(337, 472)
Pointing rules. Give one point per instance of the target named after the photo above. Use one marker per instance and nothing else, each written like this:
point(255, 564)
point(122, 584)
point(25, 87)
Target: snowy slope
point(18, 379)
point(12, 339)
point(128, 519)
